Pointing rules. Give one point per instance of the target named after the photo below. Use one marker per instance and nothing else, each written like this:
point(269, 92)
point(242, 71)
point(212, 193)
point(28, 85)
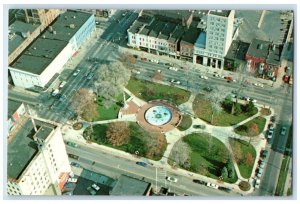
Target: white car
point(203, 77)
point(73, 180)
point(76, 72)
point(97, 188)
point(155, 61)
point(62, 84)
point(175, 81)
point(257, 183)
point(212, 185)
point(258, 84)
point(172, 179)
point(136, 71)
point(173, 68)
point(217, 75)
point(159, 71)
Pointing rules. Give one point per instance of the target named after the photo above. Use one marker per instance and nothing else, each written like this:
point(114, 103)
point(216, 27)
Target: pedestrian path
point(187, 107)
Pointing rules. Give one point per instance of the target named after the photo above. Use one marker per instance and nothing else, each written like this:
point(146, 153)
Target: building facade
point(37, 160)
point(15, 111)
point(47, 55)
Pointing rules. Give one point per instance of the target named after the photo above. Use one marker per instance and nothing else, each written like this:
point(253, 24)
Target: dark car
point(199, 126)
point(273, 118)
point(141, 163)
point(199, 181)
point(264, 153)
point(228, 190)
point(208, 89)
point(75, 164)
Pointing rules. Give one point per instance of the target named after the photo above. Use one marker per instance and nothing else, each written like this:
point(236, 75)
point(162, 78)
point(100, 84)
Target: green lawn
point(203, 110)
point(282, 176)
point(245, 148)
point(260, 121)
point(185, 123)
point(150, 145)
point(151, 91)
point(111, 112)
point(208, 153)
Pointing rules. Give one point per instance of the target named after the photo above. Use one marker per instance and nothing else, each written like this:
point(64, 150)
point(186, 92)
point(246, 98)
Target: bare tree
point(112, 78)
point(249, 159)
point(181, 154)
point(252, 131)
point(118, 133)
point(236, 149)
point(215, 98)
point(83, 103)
point(157, 76)
point(128, 60)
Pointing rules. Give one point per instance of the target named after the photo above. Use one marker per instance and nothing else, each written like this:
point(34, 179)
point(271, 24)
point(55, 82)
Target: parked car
point(55, 92)
point(175, 81)
point(264, 153)
point(217, 75)
point(172, 179)
point(173, 68)
point(72, 180)
point(199, 181)
point(199, 126)
point(253, 100)
point(141, 163)
point(212, 185)
point(94, 186)
point(271, 126)
point(90, 76)
point(75, 164)
point(273, 118)
point(62, 84)
point(62, 98)
point(73, 156)
point(258, 174)
point(228, 78)
point(283, 131)
point(203, 77)
point(228, 190)
point(258, 84)
point(159, 71)
point(270, 134)
point(72, 144)
point(155, 61)
point(257, 183)
point(262, 165)
point(76, 72)
point(144, 59)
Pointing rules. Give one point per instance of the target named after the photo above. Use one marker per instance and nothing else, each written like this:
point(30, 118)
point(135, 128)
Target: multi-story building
point(264, 57)
point(37, 161)
point(25, 25)
point(212, 45)
point(47, 55)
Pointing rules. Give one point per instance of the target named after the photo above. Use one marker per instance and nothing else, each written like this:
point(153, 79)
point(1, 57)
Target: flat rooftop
point(12, 107)
point(130, 186)
point(48, 45)
point(259, 48)
point(22, 148)
point(223, 13)
point(237, 50)
point(17, 33)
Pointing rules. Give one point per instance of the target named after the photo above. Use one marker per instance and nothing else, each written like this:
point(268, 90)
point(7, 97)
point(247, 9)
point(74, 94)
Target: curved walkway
point(221, 133)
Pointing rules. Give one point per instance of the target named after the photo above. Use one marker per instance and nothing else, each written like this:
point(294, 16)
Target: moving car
point(173, 68)
point(72, 144)
point(141, 163)
point(217, 75)
point(283, 131)
point(55, 92)
point(62, 84)
point(94, 186)
point(212, 185)
point(90, 76)
point(203, 77)
point(175, 81)
point(73, 156)
point(172, 179)
point(76, 72)
point(75, 164)
point(258, 84)
point(155, 61)
point(136, 71)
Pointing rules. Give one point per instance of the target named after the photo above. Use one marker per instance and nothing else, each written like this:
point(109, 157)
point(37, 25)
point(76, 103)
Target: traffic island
point(77, 126)
point(244, 186)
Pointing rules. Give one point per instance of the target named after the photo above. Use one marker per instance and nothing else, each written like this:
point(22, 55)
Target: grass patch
point(282, 176)
point(203, 110)
point(150, 145)
point(185, 123)
point(151, 91)
point(243, 148)
point(110, 112)
point(208, 155)
point(242, 130)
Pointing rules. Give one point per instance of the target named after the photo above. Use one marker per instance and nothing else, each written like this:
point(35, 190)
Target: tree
point(231, 170)
point(128, 60)
point(228, 103)
point(83, 103)
point(237, 109)
point(157, 76)
point(253, 130)
point(249, 159)
point(181, 154)
point(250, 108)
point(111, 80)
point(215, 97)
point(224, 172)
point(118, 133)
point(237, 152)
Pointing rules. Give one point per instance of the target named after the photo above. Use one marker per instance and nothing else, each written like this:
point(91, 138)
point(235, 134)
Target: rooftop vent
point(274, 47)
point(50, 29)
point(260, 46)
point(44, 36)
point(72, 26)
point(54, 32)
point(34, 48)
point(74, 16)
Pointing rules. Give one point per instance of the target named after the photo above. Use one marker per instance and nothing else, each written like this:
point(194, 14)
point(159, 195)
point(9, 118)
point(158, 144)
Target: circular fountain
point(158, 115)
